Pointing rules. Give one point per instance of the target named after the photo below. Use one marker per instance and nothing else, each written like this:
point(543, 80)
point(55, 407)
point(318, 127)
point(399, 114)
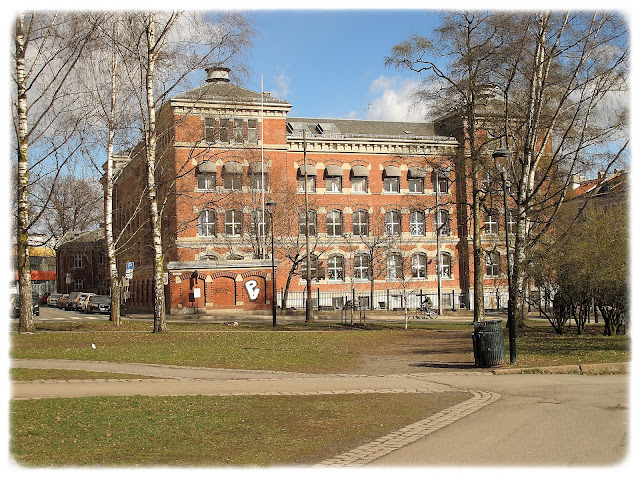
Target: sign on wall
point(252, 289)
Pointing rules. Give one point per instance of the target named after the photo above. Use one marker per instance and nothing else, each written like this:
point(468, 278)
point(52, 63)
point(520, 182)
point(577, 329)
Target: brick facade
point(377, 176)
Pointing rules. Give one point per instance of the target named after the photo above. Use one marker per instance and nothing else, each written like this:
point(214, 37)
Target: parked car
point(63, 300)
point(15, 305)
point(74, 304)
point(83, 306)
point(52, 300)
point(72, 297)
point(99, 304)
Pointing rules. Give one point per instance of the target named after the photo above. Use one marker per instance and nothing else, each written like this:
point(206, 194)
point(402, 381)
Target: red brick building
point(80, 263)
point(377, 191)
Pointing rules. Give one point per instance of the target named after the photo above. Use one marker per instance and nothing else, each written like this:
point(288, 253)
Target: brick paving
point(400, 438)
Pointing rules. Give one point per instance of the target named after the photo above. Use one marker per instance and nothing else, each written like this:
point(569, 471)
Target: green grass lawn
point(323, 349)
point(208, 431)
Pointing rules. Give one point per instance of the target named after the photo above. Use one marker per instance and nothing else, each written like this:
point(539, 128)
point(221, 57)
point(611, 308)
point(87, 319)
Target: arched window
point(335, 267)
point(419, 265)
point(511, 222)
point(442, 222)
point(232, 176)
point(206, 175)
point(391, 179)
point(333, 179)
point(311, 178)
point(416, 223)
point(361, 263)
point(360, 222)
point(394, 266)
point(302, 225)
point(233, 222)
point(415, 179)
point(392, 220)
point(258, 222)
point(334, 223)
point(491, 222)
point(445, 265)
point(313, 270)
point(359, 177)
point(207, 223)
point(492, 262)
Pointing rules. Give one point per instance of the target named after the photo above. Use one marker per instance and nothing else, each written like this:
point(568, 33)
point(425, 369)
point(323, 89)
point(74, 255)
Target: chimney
point(575, 181)
point(217, 74)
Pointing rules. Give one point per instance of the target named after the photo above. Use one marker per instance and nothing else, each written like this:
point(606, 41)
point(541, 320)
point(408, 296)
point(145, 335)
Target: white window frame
point(359, 185)
point(313, 222)
point(391, 184)
point(492, 264)
point(417, 223)
point(78, 261)
point(334, 224)
point(207, 223)
point(359, 225)
point(311, 183)
point(416, 182)
point(394, 266)
point(419, 266)
point(361, 266)
point(335, 268)
point(233, 223)
point(333, 184)
point(393, 223)
point(445, 230)
point(490, 223)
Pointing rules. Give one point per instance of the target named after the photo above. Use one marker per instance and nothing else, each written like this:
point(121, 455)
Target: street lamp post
point(271, 206)
point(505, 155)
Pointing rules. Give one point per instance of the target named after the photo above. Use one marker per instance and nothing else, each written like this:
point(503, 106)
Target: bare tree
point(561, 75)
point(68, 203)
point(47, 49)
point(471, 45)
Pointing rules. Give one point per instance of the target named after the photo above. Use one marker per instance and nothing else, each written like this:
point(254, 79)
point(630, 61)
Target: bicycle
point(425, 312)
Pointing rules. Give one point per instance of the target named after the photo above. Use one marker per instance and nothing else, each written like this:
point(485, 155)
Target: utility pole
point(308, 316)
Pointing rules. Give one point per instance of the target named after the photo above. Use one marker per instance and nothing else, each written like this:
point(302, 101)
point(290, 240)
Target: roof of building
point(227, 92)
point(368, 128)
point(82, 237)
point(616, 184)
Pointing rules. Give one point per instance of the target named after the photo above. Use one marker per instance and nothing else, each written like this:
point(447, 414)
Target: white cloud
point(394, 100)
point(281, 81)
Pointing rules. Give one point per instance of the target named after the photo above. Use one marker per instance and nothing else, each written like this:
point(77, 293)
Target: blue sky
point(330, 63)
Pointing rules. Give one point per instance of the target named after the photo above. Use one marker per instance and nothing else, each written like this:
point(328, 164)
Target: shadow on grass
point(448, 365)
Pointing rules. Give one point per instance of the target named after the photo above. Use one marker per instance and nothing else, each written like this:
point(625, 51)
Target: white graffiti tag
point(252, 289)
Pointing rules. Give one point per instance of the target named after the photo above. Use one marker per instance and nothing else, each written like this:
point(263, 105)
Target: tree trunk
point(25, 323)
point(159, 320)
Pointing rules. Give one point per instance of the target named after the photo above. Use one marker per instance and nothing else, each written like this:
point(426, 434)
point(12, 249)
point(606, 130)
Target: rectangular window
point(359, 185)
point(232, 182)
point(238, 130)
point(361, 267)
point(491, 223)
point(206, 181)
point(392, 184)
point(210, 129)
point(256, 182)
point(419, 266)
point(252, 130)
point(311, 184)
point(78, 284)
point(416, 185)
point(333, 184)
point(224, 130)
point(101, 259)
point(77, 260)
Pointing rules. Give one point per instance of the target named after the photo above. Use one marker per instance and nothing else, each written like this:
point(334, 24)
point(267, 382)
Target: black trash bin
point(488, 343)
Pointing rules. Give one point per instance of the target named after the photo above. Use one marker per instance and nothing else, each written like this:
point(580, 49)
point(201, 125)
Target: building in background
point(378, 192)
point(80, 263)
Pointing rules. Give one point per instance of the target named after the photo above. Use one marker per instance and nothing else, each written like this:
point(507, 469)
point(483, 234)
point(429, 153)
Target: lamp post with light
point(271, 207)
point(503, 155)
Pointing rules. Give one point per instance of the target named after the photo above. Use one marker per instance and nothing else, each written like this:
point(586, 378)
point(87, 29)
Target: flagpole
point(262, 186)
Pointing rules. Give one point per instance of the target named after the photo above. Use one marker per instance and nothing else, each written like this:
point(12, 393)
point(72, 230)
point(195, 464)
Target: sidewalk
point(512, 420)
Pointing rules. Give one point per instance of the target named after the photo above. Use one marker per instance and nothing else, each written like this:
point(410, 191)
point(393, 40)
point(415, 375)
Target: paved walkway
point(539, 419)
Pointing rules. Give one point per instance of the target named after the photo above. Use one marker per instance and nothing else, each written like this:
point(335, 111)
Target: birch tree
point(564, 82)
point(47, 129)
